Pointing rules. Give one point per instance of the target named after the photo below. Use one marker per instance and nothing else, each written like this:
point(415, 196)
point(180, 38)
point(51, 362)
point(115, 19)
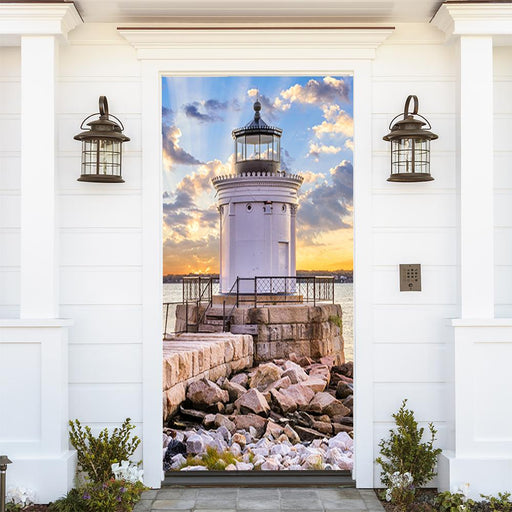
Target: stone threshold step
point(259, 478)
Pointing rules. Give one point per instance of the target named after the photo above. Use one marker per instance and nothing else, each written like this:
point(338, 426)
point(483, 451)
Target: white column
point(39, 283)
point(476, 177)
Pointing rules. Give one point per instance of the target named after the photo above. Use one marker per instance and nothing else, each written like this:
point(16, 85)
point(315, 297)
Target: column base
point(49, 477)
point(484, 475)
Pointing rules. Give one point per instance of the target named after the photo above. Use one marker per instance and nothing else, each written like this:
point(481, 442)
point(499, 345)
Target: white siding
point(100, 233)
point(414, 223)
point(9, 181)
point(502, 181)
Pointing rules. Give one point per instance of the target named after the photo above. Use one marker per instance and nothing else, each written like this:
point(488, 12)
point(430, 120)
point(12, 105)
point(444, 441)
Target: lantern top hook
point(103, 103)
point(414, 98)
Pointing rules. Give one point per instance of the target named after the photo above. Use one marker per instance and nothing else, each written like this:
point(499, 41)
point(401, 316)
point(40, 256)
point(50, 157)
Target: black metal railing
point(197, 291)
point(282, 289)
point(249, 291)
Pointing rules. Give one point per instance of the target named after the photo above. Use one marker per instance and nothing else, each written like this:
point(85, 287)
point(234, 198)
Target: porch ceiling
point(258, 12)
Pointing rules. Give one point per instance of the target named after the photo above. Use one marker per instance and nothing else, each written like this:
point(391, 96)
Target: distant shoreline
point(340, 276)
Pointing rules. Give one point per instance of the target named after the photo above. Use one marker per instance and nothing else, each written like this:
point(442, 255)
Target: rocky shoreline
point(287, 414)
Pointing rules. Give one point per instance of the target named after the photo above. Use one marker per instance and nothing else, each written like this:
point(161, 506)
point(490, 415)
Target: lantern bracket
point(103, 113)
point(406, 112)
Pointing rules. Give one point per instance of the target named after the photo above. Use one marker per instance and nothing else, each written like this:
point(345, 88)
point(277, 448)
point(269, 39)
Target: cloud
point(286, 160)
point(172, 152)
point(349, 144)
point(338, 122)
point(193, 185)
point(328, 206)
point(327, 90)
point(315, 150)
point(312, 177)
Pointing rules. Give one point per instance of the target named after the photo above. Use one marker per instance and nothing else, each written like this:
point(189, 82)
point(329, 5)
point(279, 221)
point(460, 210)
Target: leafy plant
point(72, 502)
point(500, 504)
point(453, 502)
point(110, 496)
point(404, 452)
point(97, 454)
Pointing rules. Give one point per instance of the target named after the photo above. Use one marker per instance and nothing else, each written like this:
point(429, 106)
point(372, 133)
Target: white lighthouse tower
point(257, 206)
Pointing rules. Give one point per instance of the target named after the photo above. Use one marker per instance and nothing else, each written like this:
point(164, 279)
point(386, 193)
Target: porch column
point(481, 452)
point(39, 270)
point(475, 141)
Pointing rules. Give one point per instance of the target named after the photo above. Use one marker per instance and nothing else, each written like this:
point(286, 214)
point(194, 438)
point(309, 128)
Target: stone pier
point(279, 329)
point(191, 357)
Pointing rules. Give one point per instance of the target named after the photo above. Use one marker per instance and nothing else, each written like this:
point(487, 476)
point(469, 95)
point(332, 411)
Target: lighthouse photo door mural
point(257, 273)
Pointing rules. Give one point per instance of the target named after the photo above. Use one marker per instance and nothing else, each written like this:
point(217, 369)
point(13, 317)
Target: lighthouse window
point(240, 149)
point(252, 147)
point(249, 207)
point(283, 208)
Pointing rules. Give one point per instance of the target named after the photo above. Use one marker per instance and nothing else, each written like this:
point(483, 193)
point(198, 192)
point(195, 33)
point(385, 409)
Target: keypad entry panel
point(410, 277)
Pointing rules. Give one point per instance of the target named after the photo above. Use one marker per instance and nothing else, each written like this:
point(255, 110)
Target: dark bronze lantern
point(101, 147)
point(410, 145)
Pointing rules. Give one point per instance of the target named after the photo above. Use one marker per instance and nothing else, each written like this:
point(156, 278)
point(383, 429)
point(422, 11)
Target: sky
point(316, 116)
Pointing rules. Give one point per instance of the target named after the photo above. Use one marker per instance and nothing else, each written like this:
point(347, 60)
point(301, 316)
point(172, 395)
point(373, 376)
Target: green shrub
point(110, 496)
point(404, 452)
point(500, 504)
point(97, 454)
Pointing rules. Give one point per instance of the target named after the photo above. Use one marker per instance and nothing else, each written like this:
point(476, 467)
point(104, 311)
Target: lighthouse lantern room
point(257, 206)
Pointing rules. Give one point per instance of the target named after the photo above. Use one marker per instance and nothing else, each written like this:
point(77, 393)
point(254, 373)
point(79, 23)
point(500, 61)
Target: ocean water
point(343, 295)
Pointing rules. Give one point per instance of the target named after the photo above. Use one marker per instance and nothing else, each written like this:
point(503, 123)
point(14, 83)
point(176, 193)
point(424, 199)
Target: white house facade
point(80, 263)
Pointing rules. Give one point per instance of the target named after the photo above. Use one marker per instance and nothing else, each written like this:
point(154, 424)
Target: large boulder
point(295, 372)
point(234, 390)
point(253, 401)
point(315, 383)
point(245, 421)
point(283, 403)
point(242, 379)
point(343, 390)
point(324, 403)
point(264, 375)
point(205, 394)
point(300, 394)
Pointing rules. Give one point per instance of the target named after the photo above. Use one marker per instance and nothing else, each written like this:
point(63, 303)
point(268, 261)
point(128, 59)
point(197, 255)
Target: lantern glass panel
point(411, 155)
point(89, 156)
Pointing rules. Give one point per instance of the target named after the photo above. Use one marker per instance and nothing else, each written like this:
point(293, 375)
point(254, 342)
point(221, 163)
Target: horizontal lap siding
point(9, 181)
point(414, 223)
point(502, 181)
point(100, 228)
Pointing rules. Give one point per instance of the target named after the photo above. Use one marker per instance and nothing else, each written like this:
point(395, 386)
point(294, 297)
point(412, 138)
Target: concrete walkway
point(267, 499)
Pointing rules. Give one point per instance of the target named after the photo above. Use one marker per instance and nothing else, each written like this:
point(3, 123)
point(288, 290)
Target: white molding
point(474, 19)
point(38, 19)
point(188, 62)
point(342, 42)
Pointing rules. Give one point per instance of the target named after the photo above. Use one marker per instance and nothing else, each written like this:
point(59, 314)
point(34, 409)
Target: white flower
point(388, 494)
point(126, 471)
point(20, 496)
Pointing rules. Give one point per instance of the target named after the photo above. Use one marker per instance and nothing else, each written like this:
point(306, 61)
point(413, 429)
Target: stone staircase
point(212, 321)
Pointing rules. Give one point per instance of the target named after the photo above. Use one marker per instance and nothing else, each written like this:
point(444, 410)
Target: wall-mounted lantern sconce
point(102, 147)
point(4, 460)
point(410, 145)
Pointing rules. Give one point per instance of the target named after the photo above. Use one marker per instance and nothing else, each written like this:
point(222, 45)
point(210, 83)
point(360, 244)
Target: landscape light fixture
point(410, 145)
point(102, 147)
point(4, 460)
